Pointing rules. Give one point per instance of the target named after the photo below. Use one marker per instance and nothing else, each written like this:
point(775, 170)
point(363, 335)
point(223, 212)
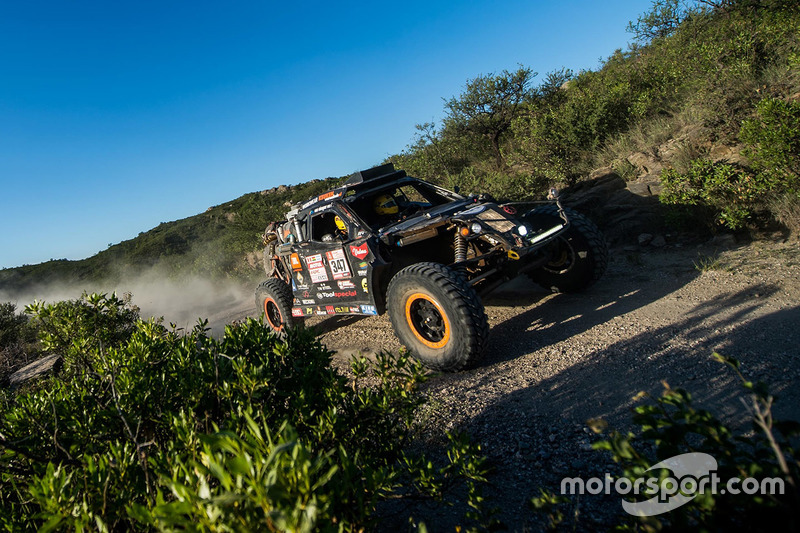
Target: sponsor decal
point(355, 309)
point(324, 287)
point(326, 195)
point(329, 310)
point(359, 251)
point(510, 209)
point(346, 284)
point(321, 311)
point(295, 301)
point(338, 262)
point(342, 310)
point(363, 264)
point(295, 260)
point(308, 301)
point(306, 294)
point(369, 310)
point(296, 311)
point(364, 285)
point(299, 276)
point(321, 209)
point(294, 286)
point(362, 273)
point(322, 295)
point(345, 294)
point(309, 310)
point(316, 268)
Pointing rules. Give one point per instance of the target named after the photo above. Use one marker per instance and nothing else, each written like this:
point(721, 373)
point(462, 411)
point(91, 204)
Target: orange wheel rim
point(273, 314)
point(427, 320)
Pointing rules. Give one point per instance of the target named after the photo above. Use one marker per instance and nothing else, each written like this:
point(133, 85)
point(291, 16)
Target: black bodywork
point(332, 272)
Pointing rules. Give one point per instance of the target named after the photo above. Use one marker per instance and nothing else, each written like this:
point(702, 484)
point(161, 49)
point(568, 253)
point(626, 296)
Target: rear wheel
point(438, 316)
point(578, 257)
point(274, 299)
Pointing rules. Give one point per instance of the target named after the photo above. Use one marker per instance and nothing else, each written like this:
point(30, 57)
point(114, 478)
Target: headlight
point(522, 230)
point(476, 228)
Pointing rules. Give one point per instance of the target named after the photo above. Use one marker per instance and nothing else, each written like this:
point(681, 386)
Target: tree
point(662, 20)
point(488, 106)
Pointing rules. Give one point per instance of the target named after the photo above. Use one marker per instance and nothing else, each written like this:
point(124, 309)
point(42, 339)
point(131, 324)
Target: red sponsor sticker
point(359, 251)
point(330, 309)
point(296, 311)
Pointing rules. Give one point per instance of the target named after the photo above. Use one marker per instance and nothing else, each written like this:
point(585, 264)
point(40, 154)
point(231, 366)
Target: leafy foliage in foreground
point(159, 429)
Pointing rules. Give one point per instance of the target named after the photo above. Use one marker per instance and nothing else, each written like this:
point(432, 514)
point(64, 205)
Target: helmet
point(385, 205)
point(340, 224)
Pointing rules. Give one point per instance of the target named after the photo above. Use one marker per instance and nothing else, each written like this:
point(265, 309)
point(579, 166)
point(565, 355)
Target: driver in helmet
point(341, 231)
point(341, 227)
point(386, 207)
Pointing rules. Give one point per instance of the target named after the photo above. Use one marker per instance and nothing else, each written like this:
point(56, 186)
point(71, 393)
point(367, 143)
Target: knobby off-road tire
point(579, 255)
point(438, 316)
point(274, 299)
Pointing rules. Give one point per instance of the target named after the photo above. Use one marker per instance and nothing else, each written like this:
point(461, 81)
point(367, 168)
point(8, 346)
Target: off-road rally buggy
point(387, 242)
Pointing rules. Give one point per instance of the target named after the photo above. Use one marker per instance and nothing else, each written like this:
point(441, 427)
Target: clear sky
point(116, 116)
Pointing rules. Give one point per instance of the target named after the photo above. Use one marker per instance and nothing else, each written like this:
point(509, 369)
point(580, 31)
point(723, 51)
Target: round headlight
point(522, 230)
point(476, 228)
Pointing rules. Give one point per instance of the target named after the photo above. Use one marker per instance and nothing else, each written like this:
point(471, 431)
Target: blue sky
point(116, 116)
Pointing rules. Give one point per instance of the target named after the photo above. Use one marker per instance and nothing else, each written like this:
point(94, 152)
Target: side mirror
point(456, 189)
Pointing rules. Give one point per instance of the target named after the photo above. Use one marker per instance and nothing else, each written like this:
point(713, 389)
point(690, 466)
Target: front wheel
point(578, 257)
point(438, 316)
point(274, 299)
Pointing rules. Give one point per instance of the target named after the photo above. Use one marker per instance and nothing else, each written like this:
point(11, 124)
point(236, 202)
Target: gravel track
point(555, 361)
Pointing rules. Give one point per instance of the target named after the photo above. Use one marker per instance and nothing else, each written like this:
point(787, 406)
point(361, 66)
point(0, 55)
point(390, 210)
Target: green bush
point(773, 139)
point(731, 196)
point(18, 344)
point(156, 428)
point(720, 193)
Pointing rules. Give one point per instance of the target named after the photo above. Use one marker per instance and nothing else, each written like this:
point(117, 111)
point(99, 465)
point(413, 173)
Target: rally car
point(387, 242)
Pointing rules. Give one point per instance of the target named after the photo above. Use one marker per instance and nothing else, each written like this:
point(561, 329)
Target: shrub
point(157, 428)
point(79, 329)
point(17, 340)
point(773, 139)
point(720, 193)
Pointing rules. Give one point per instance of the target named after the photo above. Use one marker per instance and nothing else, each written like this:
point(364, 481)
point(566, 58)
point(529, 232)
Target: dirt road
point(556, 360)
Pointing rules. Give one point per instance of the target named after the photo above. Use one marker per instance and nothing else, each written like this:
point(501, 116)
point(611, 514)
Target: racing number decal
point(339, 267)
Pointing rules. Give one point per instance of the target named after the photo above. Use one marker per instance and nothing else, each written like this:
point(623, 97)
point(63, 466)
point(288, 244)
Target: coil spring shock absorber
point(460, 246)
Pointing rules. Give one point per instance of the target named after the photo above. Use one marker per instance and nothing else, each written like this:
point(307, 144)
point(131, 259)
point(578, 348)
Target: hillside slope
point(223, 242)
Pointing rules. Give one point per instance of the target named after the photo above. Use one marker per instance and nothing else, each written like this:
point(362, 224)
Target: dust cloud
point(178, 301)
